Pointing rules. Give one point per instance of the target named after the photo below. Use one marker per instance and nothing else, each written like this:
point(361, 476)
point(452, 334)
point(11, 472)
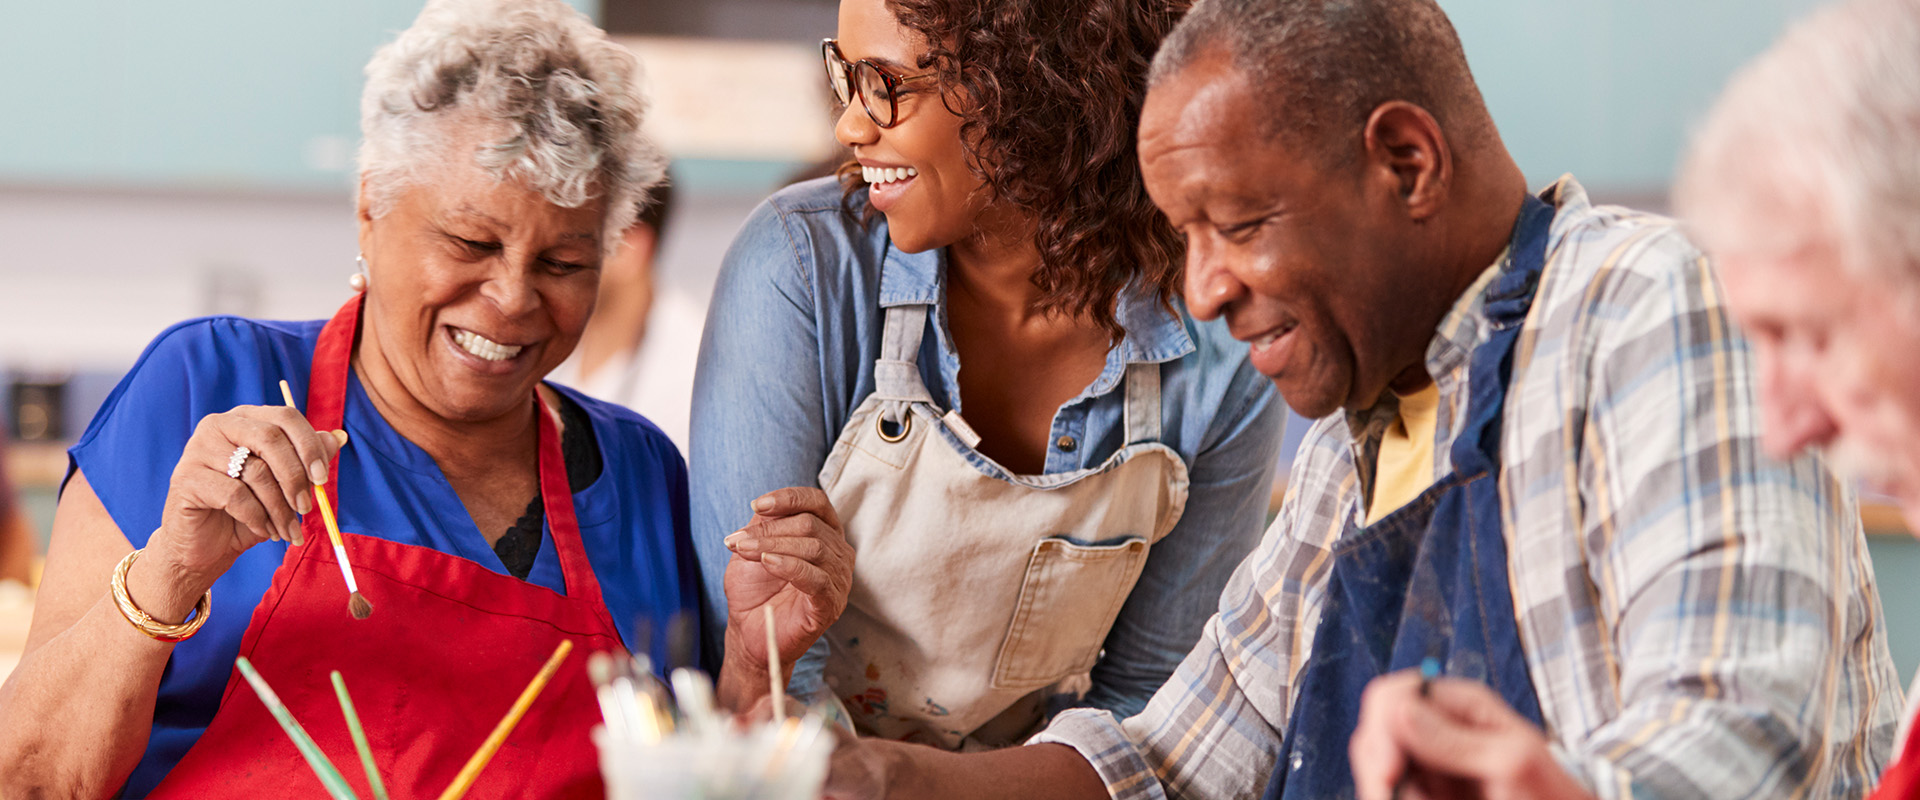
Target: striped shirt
point(1699, 620)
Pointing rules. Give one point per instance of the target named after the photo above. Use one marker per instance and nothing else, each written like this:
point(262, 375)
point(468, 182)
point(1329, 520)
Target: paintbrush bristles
point(359, 606)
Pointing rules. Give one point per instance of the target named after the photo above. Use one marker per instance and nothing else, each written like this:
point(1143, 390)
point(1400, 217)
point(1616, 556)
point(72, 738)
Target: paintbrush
point(600, 671)
point(359, 737)
point(693, 693)
point(1429, 669)
point(773, 666)
point(692, 690)
point(357, 603)
point(471, 772)
point(329, 777)
point(656, 703)
point(642, 722)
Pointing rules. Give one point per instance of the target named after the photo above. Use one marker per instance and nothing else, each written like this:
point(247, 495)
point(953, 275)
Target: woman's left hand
point(792, 557)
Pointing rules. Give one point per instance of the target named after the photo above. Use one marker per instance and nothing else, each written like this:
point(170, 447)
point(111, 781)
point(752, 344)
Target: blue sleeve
point(1230, 481)
point(758, 397)
point(191, 370)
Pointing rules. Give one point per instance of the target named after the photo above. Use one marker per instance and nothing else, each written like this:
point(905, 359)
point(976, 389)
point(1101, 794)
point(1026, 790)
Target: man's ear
point(1405, 146)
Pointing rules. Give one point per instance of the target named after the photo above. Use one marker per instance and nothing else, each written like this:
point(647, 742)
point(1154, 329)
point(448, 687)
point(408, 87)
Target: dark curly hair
point(1052, 93)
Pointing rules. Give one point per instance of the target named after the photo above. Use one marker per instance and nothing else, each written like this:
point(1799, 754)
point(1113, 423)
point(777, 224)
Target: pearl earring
point(358, 280)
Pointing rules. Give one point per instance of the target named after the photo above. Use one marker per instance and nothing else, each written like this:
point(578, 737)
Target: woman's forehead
point(868, 30)
point(504, 205)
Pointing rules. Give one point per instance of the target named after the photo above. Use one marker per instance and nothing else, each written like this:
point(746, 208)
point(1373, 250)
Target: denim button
point(1065, 443)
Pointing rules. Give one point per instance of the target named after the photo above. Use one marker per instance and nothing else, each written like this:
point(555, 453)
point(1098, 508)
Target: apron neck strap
point(896, 375)
point(556, 496)
point(327, 392)
point(332, 358)
point(1508, 299)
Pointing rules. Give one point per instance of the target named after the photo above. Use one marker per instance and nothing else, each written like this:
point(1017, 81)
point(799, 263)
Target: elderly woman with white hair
point(488, 516)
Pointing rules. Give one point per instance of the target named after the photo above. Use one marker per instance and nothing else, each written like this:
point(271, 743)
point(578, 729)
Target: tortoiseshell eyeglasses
point(878, 89)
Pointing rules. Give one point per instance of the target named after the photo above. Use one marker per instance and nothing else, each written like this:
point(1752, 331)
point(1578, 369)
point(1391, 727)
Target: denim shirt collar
point(1153, 334)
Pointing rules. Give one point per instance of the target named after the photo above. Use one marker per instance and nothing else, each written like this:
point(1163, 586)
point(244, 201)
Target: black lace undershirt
point(582, 453)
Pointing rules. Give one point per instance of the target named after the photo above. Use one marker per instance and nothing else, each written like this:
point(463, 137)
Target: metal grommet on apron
point(904, 426)
point(977, 594)
point(1430, 579)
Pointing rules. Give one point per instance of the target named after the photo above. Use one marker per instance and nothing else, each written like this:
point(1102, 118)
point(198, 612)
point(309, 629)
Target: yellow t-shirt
point(1406, 454)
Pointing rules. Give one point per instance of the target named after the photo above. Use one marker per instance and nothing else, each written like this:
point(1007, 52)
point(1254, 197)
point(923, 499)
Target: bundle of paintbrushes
point(692, 753)
point(663, 744)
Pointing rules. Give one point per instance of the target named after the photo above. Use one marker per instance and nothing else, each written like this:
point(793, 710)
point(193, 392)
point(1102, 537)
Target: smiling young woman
point(971, 344)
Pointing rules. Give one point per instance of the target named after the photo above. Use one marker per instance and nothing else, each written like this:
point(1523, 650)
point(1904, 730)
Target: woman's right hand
point(793, 557)
point(210, 518)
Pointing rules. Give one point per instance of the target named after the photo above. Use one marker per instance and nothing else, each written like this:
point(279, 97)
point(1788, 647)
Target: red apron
point(1901, 781)
point(448, 648)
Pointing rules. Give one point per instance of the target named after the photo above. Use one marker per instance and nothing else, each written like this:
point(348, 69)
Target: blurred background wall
point(160, 161)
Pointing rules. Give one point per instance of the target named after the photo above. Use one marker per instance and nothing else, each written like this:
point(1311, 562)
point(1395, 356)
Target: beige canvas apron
point(977, 594)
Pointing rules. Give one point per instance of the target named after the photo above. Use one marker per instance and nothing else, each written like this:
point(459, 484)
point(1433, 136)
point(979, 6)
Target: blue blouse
point(788, 356)
point(633, 519)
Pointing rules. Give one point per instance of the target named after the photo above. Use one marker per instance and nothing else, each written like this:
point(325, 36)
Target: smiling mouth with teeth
point(484, 347)
point(884, 175)
point(1266, 341)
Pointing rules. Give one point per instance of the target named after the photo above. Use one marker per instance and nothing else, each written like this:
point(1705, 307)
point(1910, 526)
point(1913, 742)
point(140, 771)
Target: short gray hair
point(1325, 65)
point(1823, 129)
point(556, 102)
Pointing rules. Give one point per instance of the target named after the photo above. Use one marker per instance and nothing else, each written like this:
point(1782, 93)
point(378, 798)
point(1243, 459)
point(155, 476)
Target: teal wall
point(1608, 90)
point(234, 93)
point(198, 93)
point(1896, 565)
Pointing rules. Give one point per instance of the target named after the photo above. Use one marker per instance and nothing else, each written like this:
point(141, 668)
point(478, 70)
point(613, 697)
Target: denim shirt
point(788, 355)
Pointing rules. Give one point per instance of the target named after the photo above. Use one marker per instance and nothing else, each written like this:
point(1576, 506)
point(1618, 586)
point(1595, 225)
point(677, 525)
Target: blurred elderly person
point(489, 516)
point(618, 360)
point(1805, 186)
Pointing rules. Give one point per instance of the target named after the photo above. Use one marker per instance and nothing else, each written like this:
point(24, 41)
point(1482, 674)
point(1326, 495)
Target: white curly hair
point(556, 102)
point(1817, 144)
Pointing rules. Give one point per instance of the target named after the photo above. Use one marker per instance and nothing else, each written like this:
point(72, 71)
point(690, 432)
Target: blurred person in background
point(1804, 184)
point(617, 361)
point(490, 515)
point(972, 343)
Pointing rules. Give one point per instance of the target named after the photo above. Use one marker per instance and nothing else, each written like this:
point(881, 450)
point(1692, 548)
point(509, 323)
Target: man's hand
point(858, 769)
point(1459, 741)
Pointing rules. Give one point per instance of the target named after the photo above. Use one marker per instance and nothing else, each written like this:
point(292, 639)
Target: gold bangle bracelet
point(144, 622)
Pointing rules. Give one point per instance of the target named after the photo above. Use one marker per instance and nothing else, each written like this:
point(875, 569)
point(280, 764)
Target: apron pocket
point(1069, 599)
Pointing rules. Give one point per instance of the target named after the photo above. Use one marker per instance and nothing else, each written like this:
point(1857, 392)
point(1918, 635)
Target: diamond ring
point(237, 461)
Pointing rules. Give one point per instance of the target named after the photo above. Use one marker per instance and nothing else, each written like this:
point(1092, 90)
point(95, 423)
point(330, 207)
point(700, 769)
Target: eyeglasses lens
point(837, 75)
point(875, 92)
